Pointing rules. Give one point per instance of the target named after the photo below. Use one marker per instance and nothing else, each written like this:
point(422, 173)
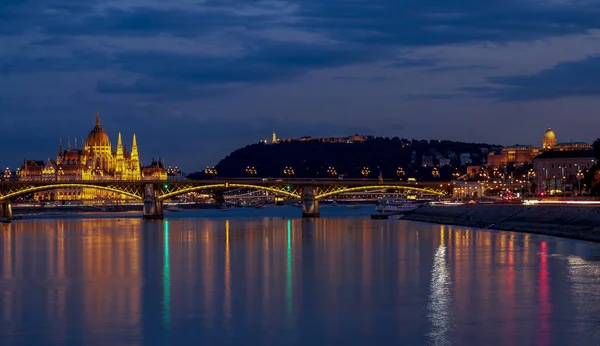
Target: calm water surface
point(229, 278)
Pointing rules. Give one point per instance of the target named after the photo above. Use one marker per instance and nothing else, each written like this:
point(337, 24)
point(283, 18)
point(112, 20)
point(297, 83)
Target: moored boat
point(393, 206)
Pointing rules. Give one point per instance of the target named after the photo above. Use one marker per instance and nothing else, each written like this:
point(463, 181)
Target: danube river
point(243, 277)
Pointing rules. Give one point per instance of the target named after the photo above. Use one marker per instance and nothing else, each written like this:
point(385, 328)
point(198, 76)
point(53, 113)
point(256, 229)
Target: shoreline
point(580, 223)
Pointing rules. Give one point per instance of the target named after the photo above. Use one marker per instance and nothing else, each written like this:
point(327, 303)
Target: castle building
point(520, 154)
point(94, 160)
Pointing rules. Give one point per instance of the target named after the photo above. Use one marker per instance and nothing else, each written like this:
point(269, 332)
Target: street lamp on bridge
point(211, 171)
point(332, 171)
point(400, 173)
point(365, 171)
point(251, 170)
point(288, 171)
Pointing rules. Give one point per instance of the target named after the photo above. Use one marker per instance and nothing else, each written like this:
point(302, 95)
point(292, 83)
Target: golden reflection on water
point(108, 275)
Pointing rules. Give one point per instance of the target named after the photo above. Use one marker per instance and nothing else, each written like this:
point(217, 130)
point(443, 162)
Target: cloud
point(431, 96)
point(413, 62)
point(175, 56)
point(365, 79)
point(443, 69)
point(566, 79)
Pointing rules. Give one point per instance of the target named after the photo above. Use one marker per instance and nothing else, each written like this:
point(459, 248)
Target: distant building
point(444, 161)
point(465, 159)
point(520, 154)
point(427, 160)
point(515, 154)
point(155, 171)
point(274, 137)
point(557, 170)
point(350, 139)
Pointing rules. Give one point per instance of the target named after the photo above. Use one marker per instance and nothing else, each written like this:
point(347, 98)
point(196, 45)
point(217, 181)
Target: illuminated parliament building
point(94, 160)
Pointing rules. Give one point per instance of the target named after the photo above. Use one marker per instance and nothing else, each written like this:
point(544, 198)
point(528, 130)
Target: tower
point(120, 160)
point(60, 154)
point(274, 138)
point(135, 160)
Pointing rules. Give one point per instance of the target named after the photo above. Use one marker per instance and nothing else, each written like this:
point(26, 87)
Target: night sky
point(197, 79)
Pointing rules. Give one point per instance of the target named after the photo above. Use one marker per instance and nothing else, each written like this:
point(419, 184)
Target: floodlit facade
point(94, 160)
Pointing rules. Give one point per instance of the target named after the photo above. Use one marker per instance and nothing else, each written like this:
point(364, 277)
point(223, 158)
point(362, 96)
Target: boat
point(173, 207)
point(393, 206)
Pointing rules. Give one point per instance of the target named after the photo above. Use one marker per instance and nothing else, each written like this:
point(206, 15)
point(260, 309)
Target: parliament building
point(93, 160)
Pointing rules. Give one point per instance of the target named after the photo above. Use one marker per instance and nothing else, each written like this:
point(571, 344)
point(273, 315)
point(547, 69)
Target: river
point(246, 277)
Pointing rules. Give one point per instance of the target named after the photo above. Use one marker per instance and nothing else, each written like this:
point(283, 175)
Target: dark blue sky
point(197, 79)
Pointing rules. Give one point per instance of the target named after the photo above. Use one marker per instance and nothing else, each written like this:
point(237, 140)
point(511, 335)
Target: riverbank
point(577, 222)
point(111, 208)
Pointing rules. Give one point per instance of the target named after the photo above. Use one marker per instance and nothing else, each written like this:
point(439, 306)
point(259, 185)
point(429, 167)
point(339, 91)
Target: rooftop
point(587, 154)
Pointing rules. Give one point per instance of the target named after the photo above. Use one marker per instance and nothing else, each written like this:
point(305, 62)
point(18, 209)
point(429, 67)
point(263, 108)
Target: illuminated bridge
point(153, 193)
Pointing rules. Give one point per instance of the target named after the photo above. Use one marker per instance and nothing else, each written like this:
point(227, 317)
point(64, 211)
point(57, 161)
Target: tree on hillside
point(596, 147)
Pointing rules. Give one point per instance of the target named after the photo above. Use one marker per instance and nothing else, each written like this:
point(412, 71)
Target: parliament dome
point(97, 136)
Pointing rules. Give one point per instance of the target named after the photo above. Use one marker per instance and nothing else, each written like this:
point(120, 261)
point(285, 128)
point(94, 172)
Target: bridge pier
point(6, 211)
point(310, 205)
point(153, 206)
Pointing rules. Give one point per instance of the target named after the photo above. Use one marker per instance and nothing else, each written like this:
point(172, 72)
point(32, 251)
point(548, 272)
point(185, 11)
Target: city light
point(365, 171)
point(288, 171)
point(210, 171)
point(332, 171)
point(251, 170)
point(400, 173)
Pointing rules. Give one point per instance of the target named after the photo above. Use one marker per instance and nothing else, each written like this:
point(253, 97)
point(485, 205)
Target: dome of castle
point(97, 136)
point(549, 141)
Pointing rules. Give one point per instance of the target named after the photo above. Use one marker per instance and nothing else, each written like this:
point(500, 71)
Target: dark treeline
point(314, 159)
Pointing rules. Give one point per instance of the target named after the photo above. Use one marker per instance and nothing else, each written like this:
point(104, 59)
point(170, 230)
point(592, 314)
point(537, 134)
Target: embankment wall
point(579, 222)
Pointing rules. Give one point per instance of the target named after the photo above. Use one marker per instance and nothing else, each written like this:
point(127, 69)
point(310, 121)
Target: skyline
point(197, 81)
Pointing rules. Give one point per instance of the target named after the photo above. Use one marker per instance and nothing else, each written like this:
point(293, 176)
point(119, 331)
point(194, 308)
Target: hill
point(313, 159)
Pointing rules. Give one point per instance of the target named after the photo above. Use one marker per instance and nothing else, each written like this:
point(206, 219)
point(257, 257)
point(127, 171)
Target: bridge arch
point(381, 187)
point(32, 189)
point(226, 186)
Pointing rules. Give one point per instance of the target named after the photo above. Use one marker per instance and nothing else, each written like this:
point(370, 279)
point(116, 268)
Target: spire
point(134, 150)
point(76, 143)
point(60, 153)
point(97, 118)
point(119, 147)
point(69, 145)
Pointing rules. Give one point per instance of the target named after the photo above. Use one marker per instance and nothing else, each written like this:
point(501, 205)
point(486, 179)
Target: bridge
point(154, 193)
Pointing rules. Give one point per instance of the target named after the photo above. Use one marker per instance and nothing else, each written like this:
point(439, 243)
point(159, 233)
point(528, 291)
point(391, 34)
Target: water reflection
point(166, 280)
point(439, 306)
point(294, 282)
point(289, 288)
